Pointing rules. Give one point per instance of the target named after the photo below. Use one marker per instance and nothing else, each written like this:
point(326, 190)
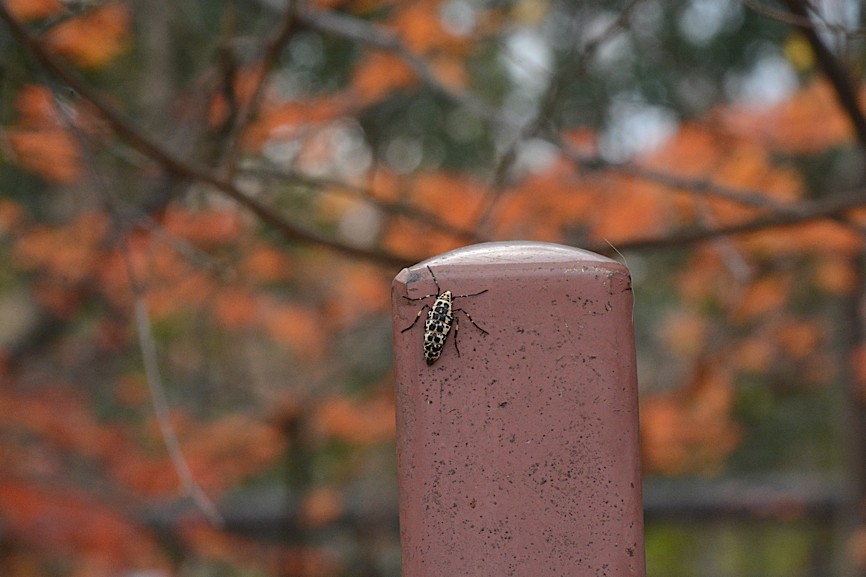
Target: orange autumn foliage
point(364, 423)
point(799, 340)
point(632, 210)
point(295, 326)
point(258, 557)
point(236, 308)
point(93, 39)
point(691, 430)
point(380, 74)
point(41, 140)
point(834, 275)
point(280, 121)
point(70, 254)
point(320, 507)
point(204, 228)
point(63, 522)
point(214, 275)
point(49, 152)
point(420, 27)
point(684, 332)
point(263, 263)
point(11, 216)
point(362, 292)
point(791, 125)
point(26, 10)
point(225, 451)
point(762, 297)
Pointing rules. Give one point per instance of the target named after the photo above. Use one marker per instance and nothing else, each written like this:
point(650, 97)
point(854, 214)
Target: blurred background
point(203, 204)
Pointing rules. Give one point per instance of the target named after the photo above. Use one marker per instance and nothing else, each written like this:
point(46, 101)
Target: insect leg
point(436, 282)
point(418, 298)
point(436, 294)
point(470, 295)
point(470, 320)
point(418, 316)
point(454, 338)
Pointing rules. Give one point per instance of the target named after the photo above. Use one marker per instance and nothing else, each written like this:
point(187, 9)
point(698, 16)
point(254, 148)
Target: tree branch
point(845, 92)
point(181, 169)
point(829, 208)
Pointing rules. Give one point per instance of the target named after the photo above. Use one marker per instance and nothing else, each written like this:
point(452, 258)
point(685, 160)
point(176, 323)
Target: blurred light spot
point(462, 125)
point(457, 17)
point(360, 224)
point(702, 20)
point(770, 81)
point(635, 127)
point(527, 59)
point(404, 154)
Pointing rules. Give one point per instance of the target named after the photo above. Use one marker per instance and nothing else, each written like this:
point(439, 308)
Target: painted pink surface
point(520, 457)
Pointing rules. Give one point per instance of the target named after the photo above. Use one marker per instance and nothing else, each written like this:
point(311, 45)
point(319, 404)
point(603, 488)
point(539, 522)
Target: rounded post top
point(525, 256)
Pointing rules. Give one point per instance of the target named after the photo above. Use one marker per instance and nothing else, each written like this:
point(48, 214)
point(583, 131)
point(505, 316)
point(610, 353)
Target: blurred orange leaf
point(295, 326)
point(364, 423)
point(799, 339)
point(684, 332)
point(691, 430)
point(754, 354)
point(93, 39)
point(70, 253)
point(205, 228)
point(835, 275)
point(419, 25)
point(26, 10)
point(265, 263)
point(236, 308)
point(73, 521)
point(791, 126)
point(761, 297)
point(227, 450)
point(321, 506)
point(361, 291)
point(633, 210)
point(49, 152)
point(11, 216)
point(41, 142)
point(380, 74)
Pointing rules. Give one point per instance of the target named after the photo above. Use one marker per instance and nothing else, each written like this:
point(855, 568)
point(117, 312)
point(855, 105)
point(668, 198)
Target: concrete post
point(519, 457)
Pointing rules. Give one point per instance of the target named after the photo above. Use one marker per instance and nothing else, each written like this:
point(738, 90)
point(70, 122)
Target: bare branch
point(271, 55)
point(828, 208)
point(545, 109)
point(846, 94)
point(160, 408)
point(146, 146)
point(366, 195)
point(800, 22)
point(146, 341)
point(357, 30)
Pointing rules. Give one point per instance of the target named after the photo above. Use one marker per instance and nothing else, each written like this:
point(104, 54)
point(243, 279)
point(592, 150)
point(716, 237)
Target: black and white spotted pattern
point(440, 318)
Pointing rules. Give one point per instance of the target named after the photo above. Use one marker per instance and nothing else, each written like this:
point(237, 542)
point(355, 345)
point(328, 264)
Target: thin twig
point(393, 208)
point(160, 404)
point(799, 21)
point(544, 111)
point(827, 208)
point(357, 30)
point(185, 170)
point(846, 94)
point(250, 108)
point(145, 337)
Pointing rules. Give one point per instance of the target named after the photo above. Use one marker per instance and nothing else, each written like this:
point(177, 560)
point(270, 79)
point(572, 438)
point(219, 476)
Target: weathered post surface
point(519, 457)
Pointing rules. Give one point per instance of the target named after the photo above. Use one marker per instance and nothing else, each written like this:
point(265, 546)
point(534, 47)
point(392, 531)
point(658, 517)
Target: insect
point(440, 317)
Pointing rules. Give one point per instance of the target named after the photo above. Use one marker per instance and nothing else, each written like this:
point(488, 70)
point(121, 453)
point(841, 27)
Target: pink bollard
point(520, 456)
